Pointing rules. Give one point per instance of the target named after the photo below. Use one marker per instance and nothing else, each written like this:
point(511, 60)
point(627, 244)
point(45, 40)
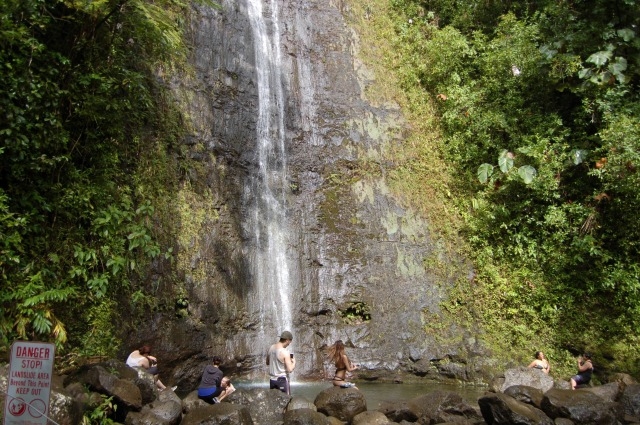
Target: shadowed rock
point(218, 414)
point(441, 406)
point(298, 402)
point(167, 410)
point(525, 394)
point(305, 416)
point(342, 403)
point(265, 406)
point(630, 400)
point(370, 418)
point(398, 411)
point(582, 407)
point(501, 409)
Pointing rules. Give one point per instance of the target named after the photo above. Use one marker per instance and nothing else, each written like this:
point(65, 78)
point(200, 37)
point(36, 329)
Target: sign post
point(29, 383)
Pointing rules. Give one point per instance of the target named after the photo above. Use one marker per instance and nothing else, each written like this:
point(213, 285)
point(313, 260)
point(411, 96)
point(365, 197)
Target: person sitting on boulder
point(142, 358)
point(540, 362)
point(343, 365)
point(214, 386)
point(585, 370)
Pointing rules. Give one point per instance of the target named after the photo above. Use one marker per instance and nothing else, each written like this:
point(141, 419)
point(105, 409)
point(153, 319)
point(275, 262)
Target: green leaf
point(505, 161)
point(527, 173)
point(626, 34)
point(484, 172)
point(578, 156)
point(600, 58)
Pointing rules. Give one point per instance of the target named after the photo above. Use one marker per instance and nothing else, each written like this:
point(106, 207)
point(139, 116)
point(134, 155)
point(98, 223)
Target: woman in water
point(540, 362)
point(343, 365)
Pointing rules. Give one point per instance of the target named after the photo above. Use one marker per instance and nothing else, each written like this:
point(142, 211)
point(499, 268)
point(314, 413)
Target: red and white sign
point(27, 401)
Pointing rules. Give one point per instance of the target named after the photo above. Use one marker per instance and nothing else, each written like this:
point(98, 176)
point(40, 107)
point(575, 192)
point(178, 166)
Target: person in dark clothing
point(585, 370)
point(214, 386)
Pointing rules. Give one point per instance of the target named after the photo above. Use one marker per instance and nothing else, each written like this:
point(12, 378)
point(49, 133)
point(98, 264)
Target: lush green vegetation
point(84, 134)
point(530, 113)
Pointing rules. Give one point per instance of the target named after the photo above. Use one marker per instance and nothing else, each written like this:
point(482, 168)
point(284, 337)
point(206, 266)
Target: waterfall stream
point(264, 192)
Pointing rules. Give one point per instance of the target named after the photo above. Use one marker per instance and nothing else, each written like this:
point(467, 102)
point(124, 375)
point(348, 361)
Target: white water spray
point(266, 188)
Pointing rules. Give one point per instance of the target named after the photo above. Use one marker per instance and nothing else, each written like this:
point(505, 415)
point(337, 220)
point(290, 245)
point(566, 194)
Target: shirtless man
point(281, 363)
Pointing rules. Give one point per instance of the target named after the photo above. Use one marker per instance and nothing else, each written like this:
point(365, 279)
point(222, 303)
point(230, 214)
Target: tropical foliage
point(540, 114)
point(81, 113)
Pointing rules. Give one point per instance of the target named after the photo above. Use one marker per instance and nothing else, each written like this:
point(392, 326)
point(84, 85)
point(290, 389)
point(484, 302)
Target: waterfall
point(265, 190)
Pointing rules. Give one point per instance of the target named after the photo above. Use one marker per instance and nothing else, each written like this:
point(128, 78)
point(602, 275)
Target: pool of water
point(376, 393)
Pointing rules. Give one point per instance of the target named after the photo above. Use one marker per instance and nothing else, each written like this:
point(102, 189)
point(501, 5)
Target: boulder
point(265, 406)
point(342, 403)
point(191, 402)
point(525, 394)
point(370, 418)
point(298, 402)
point(398, 411)
point(125, 392)
point(501, 409)
point(563, 421)
point(582, 407)
point(441, 406)
point(630, 400)
point(166, 410)
point(622, 378)
point(64, 409)
point(305, 416)
point(218, 414)
point(527, 376)
point(608, 392)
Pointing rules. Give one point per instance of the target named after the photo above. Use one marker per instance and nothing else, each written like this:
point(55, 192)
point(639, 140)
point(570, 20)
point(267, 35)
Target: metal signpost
point(29, 383)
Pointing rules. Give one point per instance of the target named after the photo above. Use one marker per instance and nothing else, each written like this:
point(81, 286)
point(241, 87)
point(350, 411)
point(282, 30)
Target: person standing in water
point(343, 365)
point(281, 363)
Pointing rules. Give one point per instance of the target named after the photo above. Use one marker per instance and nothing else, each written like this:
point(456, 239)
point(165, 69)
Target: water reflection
point(376, 393)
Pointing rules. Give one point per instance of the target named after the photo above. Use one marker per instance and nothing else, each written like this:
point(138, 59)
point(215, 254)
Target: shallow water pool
point(376, 393)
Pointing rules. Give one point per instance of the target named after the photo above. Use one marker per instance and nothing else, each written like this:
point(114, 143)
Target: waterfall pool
point(377, 393)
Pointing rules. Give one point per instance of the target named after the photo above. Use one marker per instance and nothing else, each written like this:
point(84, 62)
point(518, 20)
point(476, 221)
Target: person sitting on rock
point(540, 362)
point(214, 386)
point(142, 358)
point(343, 365)
point(585, 370)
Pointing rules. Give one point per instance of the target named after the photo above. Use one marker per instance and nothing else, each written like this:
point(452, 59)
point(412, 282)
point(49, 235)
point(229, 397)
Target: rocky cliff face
point(358, 266)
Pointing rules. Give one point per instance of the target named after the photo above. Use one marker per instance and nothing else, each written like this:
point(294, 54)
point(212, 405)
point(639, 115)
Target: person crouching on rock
point(142, 358)
point(540, 362)
point(214, 386)
point(343, 365)
point(585, 370)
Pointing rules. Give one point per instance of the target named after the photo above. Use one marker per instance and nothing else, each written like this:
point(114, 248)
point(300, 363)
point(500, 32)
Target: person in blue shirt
point(214, 386)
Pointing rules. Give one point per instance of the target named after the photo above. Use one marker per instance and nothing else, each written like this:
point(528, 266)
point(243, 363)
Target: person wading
point(281, 363)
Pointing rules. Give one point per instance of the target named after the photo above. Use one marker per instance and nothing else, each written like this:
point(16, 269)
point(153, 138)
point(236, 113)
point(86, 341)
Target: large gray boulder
point(582, 407)
point(218, 414)
point(525, 394)
point(441, 406)
point(501, 409)
point(166, 410)
point(630, 400)
point(265, 406)
point(305, 416)
point(64, 409)
point(342, 403)
point(608, 392)
point(527, 376)
point(125, 392)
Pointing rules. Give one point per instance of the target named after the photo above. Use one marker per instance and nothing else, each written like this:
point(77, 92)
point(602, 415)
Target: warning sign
point(27, 401)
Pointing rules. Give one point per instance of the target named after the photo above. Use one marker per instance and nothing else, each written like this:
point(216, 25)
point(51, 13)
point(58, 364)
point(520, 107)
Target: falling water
point(266, 188)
